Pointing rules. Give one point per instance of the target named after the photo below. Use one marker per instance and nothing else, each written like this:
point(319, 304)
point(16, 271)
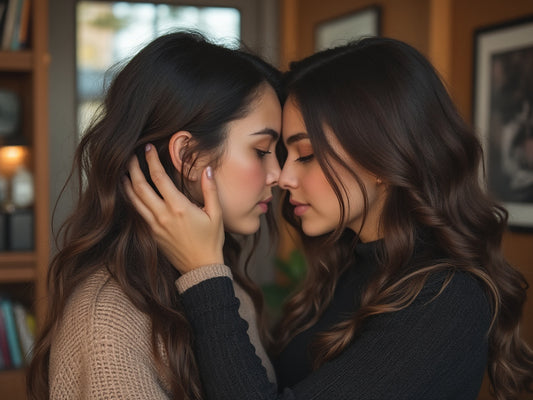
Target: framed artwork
point(343, 29)
point(503, 114)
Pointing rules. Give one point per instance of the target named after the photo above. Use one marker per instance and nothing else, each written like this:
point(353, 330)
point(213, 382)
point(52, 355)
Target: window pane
point(109, 32)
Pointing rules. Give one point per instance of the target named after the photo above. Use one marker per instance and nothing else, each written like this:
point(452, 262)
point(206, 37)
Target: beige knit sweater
point(103, 346)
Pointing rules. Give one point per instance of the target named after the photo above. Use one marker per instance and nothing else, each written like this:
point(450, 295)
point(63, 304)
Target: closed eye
point(305, 159)
point(262, 153)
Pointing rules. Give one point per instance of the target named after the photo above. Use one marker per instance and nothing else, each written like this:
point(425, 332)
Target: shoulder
point(99, 310)
point(97, 316)
point(456, 298)
point(103, 345)
point(455, 286)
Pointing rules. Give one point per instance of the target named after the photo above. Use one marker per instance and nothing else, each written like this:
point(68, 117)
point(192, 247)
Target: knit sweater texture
point(436, 348)
point(103, 347)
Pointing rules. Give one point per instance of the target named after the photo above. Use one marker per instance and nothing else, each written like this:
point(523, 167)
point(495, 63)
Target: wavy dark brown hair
point(389, 110)
point(180, 81)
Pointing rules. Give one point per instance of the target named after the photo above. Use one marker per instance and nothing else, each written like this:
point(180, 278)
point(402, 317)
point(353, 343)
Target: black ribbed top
point(294, 363)
point(436, 348)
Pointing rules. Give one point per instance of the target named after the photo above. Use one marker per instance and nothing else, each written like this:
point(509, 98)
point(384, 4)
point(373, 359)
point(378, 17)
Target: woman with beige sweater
point(115, 327)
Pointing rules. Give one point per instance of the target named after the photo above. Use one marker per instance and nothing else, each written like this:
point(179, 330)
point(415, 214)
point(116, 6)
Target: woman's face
point(249, 169)
point(313, 198)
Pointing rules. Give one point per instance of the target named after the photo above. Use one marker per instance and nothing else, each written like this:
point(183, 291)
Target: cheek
point(249, 175)
point(241, 186)
point(317, 187)
point(240, 180)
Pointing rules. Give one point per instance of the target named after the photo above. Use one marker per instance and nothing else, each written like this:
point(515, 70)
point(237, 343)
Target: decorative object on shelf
point(9, 118)
point(3, 222)
point(11, 157)
point(18, 212)
point(16, 184)
point(16, 208)
point(503, 114)
point(341, 30)
point(3, 231)
point(22, 195)
point(19, 229)
point(3, 191)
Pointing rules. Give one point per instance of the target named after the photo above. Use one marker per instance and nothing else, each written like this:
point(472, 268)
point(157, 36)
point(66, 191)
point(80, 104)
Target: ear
point(177, 146)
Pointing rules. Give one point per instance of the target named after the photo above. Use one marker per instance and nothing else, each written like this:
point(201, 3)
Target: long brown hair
point(180, 81)
point(389, 110)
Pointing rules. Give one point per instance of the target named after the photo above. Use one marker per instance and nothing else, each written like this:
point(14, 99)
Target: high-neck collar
point(367, 251)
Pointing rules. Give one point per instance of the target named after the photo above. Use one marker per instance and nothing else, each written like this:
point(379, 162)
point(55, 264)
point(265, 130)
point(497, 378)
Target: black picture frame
point(345, 28)
point(503, 114)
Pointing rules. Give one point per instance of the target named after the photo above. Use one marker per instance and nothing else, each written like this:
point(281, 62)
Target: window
point(110, 32)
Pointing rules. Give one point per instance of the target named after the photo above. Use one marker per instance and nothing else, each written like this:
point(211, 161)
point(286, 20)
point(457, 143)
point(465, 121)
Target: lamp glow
point(12, 157)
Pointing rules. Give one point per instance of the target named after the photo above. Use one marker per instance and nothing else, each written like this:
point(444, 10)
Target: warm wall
point(406, 20)
point(467, 16)
point(466, 19)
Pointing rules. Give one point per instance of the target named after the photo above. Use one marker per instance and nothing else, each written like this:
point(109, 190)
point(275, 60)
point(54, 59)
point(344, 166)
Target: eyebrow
point(296, 138)
point(269, 132)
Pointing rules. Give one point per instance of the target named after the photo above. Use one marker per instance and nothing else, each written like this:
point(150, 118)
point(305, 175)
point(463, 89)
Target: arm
point(427, 351)
point(117, 367)
point(103, 348)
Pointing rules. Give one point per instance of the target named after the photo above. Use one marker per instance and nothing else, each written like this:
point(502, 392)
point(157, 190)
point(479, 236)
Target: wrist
point(201, 274)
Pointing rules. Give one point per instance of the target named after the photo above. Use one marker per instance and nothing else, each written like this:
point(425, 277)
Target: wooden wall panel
point(467, 16)
point(406, 20)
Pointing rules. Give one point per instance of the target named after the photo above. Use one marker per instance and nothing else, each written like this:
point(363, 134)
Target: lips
point(264, 204)
point(299, 208)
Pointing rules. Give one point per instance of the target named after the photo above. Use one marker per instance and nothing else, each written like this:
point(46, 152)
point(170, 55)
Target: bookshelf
point(23, 274)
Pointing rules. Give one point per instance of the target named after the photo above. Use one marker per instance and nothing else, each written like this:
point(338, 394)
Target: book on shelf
point(25, 323)
point(14, 24)
point(17, 332)
point(21, 39)
point(3, 9)
point(4, 347)
point(6, 306)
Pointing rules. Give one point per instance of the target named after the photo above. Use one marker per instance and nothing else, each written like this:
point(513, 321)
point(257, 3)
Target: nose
point(287, 178)
point(273, 171)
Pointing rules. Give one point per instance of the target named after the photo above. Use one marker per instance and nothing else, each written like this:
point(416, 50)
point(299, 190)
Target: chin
point(245, 227)
point(313, 230)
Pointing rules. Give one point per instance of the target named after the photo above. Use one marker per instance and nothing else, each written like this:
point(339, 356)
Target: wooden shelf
point(26, 258)
point(23, 274)
point(16, 60)
point(17, 267)
point(13, 384)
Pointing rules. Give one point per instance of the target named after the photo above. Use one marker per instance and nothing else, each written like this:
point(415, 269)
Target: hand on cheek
point(189, 236)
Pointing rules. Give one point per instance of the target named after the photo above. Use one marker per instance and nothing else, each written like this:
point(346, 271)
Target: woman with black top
point(407, 295)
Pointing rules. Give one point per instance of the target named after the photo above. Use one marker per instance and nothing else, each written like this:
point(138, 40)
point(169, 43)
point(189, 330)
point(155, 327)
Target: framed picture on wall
point(343, 29)
point(503, 114)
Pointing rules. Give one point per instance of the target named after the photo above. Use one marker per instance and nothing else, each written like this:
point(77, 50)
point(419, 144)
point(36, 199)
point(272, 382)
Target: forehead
point(293, 122)
point(263, 118)
point(294, 131)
